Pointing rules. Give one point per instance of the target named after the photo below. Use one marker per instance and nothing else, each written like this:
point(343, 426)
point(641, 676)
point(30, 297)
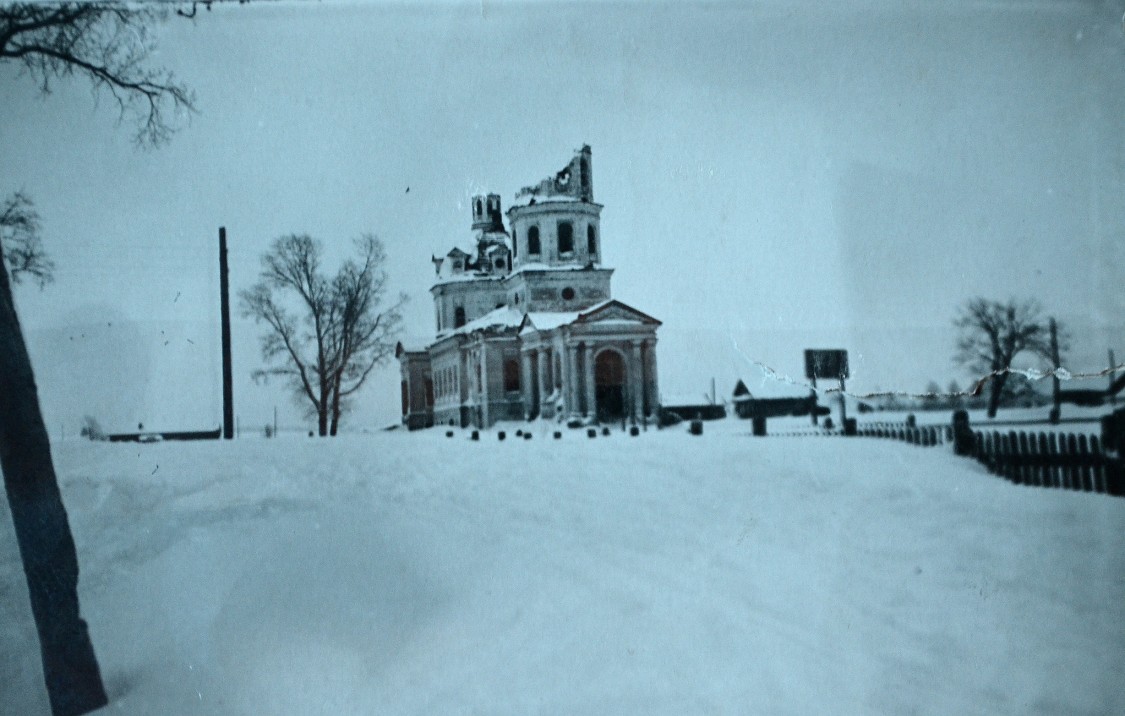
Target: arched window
point(459, 317)
point(479, 211)
point(566, 237)
point(591, 241)
point(533, 241)
point(511, 375)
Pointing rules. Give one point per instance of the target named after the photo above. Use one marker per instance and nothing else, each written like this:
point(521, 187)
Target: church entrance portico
point(609, 386)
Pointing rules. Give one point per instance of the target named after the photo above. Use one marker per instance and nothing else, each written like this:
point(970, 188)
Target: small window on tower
point(591, 241)
point(515, 243)
point(566, 237)
point(459, 317)
point(568, 293)
point(533, 241)
point(500, 264)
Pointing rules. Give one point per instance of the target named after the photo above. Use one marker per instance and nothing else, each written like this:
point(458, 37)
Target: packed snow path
point(664, 574)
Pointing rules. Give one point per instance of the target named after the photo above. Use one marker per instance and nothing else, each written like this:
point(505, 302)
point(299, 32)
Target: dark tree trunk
point(996, 390)
point(322, 416)
point(70, 668)
point(335, 407)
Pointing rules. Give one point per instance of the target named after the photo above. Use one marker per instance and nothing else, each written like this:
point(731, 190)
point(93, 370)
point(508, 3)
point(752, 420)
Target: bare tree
point(956, 400)
point(106, 43)
point(336, 335)
point(21, 242)
point(992, 334)
point(363, 337)
point(932, 397)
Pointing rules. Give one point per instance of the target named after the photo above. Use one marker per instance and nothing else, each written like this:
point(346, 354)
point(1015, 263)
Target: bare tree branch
point(108, 43)
point(20, 240)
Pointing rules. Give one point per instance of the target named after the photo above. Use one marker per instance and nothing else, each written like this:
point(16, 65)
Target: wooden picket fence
point(1066, 461)
point(924, 436)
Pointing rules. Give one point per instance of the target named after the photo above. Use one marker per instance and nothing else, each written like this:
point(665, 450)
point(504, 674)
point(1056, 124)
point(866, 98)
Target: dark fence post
point(1053, 472)
point(1043, 461)
point(963, 440)
point(1023, 461)
point(998, 453)
point(1011, 450)
point(1073, 473)
point(759, 425)
point(1115, 476)
point(1097, 464)
point(1084, 464)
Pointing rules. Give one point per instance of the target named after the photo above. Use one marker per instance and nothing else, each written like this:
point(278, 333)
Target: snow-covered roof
point(621, 315)
point(527, 199)
point(413, 344)
point(539, 266)
point(549, 320)
point(473, 276)
point(503, 317)
point(692, 399)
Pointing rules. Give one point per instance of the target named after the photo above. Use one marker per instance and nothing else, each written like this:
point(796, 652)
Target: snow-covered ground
point(406, 573)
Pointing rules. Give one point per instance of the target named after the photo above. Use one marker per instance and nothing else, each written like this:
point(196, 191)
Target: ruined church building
point(527, 326)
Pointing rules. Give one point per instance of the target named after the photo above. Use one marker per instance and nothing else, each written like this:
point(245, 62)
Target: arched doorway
point(609, 386)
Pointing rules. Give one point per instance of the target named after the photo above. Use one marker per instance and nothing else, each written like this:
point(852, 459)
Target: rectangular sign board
point(826, 364)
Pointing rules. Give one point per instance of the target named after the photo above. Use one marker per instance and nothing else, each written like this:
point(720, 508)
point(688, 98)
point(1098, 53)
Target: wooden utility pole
point(812, 398)
point(1112, 365)
point(224, 307)
point(1056, 363)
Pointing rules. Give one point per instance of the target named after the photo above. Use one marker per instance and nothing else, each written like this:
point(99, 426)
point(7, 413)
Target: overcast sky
point(775, 176)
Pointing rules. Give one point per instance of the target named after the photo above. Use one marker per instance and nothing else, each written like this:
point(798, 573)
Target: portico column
point(653, 384)
point(636, 377)
point(483, 385)
point(591, 397)
point(541, 365)
point(572, 379)
point(527, 392)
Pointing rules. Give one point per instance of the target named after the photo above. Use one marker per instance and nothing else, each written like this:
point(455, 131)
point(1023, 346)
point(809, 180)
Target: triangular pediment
point(615, 310)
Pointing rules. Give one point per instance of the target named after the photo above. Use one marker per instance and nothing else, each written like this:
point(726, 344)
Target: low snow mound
point(411, 573)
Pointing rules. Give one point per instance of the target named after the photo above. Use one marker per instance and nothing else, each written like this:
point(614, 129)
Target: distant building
point(747, 406)
point(526, 323)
